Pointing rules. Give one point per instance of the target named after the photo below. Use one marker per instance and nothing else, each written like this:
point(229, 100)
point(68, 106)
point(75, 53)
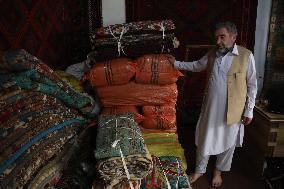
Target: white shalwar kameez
point(213, 136)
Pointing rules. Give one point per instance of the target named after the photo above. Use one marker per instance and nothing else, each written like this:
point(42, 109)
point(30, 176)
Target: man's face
point(224, 39)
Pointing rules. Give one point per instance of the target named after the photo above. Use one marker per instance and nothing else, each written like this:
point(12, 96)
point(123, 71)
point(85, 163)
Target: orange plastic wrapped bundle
point(156, 69)
point(159, 110)
point(137, 94)
point(123, 109)
point(112, 72)
point(159, 122)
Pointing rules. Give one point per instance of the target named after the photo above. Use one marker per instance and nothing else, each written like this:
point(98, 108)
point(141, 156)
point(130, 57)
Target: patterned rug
point(39, 118)
point(120, 150)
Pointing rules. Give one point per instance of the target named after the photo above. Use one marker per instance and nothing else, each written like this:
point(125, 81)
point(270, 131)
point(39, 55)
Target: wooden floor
point(237, 178)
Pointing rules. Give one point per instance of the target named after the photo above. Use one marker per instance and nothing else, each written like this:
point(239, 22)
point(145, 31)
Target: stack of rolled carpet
point(40, 115)
point(133, 72)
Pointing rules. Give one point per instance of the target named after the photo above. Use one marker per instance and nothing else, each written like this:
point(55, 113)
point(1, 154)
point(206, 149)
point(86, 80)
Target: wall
point(113, 12)
point(55, 32)
point(261, 38)
point(274, 64)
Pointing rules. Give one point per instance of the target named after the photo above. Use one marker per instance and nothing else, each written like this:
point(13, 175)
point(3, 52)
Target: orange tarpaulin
point(113, 72)
point(159, 110)
point(138, 94)
point(156, 69)
point(123, 109)
point(159, 122)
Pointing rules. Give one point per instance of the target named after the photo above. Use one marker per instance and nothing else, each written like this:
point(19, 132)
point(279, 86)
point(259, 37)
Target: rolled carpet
point(120, 150)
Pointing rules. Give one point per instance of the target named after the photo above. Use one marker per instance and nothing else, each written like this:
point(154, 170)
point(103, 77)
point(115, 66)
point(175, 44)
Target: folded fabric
point(29, 73)
point(70, 79)
point(112, 170)
point(133, 46)
point(164, 144)
point(34, 128)
point(78, 69)
point(167, 173)
point(21, 172)
point(48, 176)
point(120, 150)
point(147, 26)
point(79, 170)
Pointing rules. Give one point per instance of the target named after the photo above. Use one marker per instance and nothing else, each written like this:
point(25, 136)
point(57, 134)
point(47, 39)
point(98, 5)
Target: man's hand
point(246, 120)
point(171, 59)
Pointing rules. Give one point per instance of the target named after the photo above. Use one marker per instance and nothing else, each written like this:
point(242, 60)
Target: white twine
point(139, 184)
point(163, 30)
point(168, 183)
point(178, 177)
point(179, 165)
point(114, 144)
point(119, 46)
point(105, 125)
point(178, 172)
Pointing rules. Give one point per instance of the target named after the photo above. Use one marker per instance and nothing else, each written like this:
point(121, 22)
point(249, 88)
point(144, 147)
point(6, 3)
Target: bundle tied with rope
point(134, 39)
point(120, 150)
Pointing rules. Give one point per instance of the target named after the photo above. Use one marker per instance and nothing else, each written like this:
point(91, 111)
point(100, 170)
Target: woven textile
point(148, 26)
point(51, 172)
point(133, 39)
point(122, 129)
point(119, 141)
point(27, 72)
point(35, 158)
point(70, 79)
point(35, 126)
point(164, 144)
point(167, 173)
point(133, 46)
point(80, 171)
point(47, 177)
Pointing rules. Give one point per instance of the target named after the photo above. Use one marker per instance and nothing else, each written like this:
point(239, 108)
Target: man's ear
point(234, 36)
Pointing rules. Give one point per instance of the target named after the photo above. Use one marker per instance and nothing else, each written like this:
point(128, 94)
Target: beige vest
point(236, 82)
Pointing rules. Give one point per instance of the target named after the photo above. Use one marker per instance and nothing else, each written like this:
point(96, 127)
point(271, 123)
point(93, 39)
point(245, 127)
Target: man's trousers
point(223, 162)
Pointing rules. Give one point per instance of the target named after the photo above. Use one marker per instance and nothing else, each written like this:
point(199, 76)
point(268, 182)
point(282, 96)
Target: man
point(228, 102)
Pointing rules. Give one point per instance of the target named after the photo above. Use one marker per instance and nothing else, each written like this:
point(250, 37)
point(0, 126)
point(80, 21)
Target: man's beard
point(223, 49)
